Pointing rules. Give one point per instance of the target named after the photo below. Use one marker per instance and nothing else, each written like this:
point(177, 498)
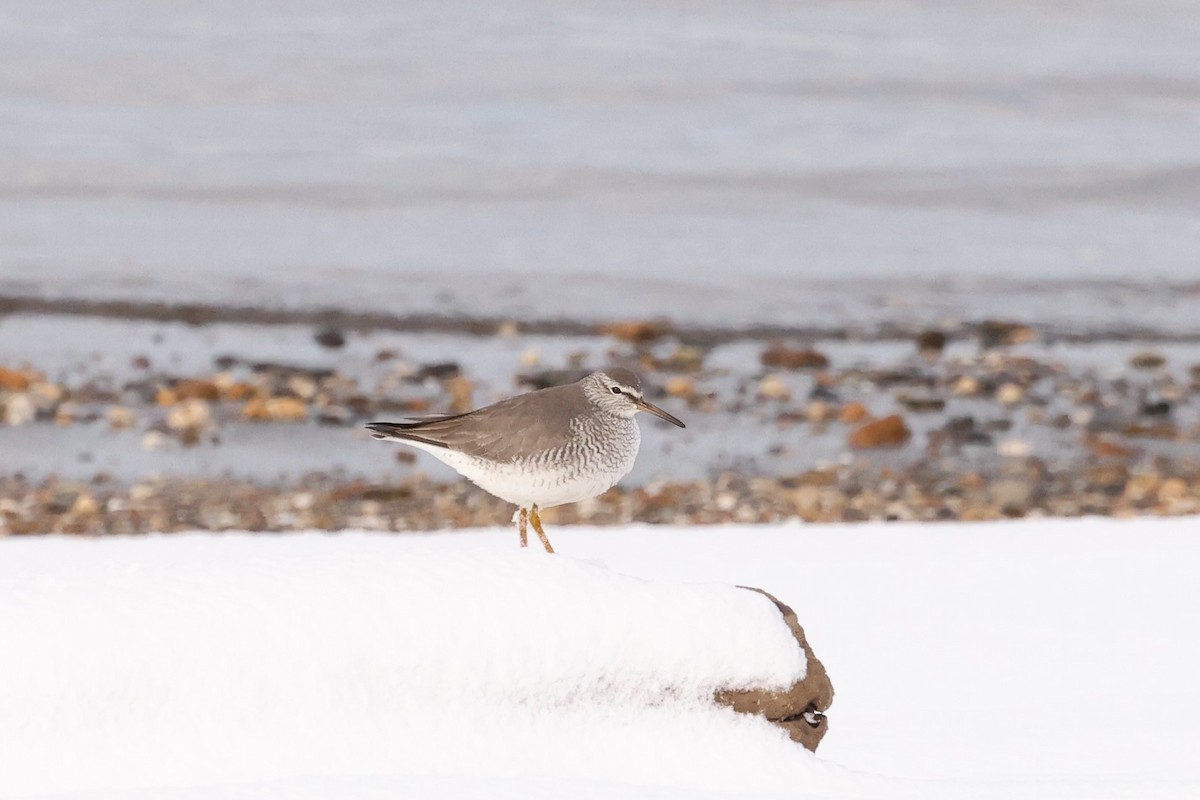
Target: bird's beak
point(658, 412)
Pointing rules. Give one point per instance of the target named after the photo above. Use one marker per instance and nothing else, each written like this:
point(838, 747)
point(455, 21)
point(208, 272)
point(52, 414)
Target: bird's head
point(618, 391)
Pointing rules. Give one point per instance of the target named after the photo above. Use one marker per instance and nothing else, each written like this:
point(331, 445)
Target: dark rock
point(1156, 408)
point(799, 709)
point(921, 403)
point(440, 371)
point(931, 341)
point(1147, 360)
point(331, 338)
point(998, 333)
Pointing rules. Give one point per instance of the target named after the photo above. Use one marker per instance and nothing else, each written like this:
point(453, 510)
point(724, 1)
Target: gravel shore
point(981, 421)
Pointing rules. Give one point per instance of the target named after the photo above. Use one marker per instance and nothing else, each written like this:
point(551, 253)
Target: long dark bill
point(658, 412)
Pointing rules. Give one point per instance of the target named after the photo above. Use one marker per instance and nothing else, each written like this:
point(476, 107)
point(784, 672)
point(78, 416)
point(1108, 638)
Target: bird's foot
point(522, 521)
point(536, 519)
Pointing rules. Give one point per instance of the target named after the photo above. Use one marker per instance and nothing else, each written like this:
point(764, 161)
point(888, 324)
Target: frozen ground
point(726, 162)
point(1022, 660)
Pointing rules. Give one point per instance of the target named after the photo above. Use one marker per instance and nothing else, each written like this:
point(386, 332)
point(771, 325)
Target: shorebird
point(542, 449)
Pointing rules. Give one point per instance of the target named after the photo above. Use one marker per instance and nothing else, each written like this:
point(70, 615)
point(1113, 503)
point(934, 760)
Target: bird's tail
point(400, 432)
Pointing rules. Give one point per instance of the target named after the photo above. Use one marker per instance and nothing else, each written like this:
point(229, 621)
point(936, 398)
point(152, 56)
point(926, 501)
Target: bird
point(541, 449)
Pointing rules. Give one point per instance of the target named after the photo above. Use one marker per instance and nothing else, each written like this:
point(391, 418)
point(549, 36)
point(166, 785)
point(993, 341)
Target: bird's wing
point(506, 431)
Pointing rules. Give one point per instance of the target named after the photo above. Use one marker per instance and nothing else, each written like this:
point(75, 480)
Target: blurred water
point(722, 161)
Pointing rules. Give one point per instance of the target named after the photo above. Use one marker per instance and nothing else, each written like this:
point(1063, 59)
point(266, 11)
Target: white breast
point(590, 464)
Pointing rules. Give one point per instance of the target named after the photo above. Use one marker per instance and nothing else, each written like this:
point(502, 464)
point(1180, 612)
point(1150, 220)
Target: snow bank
point(1039, 659)
point(235, 658)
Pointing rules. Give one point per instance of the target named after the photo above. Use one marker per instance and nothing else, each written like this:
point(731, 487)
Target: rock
point(891, 431)
point(154, 441)
point(931, 341)
point(800, 709)
point(85, 505)
point(441, 371)
point(238, 392)
point(120, 417)
point(1102, 447)
point(772, 387)
point(819, 411)
point(998, 333)
point(684, 358)
point(635, 331)
point(1159, 430)
point(680, 386)
point(1148, 360)
point(783, 357)
point(853, 413)
point(1173, 489)
point(531, 357)
point(921, 402)
point(330, 337)
point(190, 415)
point(195, 390)
point(966, 386)
point(18, 409)
point(1010, 394)
point(66, 413)
point(1014, 448)
point(303, 386)
point(1013, 495)
point(12, 380)
point(275, 409)
point(1156, 408)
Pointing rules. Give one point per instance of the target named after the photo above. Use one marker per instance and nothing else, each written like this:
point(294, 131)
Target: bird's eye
point(616, 390)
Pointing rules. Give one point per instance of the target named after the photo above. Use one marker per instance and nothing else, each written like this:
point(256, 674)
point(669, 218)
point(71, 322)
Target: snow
point(1033, 659)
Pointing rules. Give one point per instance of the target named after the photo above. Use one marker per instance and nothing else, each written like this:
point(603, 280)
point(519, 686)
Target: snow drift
point(190, 659)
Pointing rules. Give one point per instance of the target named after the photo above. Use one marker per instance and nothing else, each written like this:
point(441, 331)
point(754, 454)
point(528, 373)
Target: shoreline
point(961, 317)
point(102, 417)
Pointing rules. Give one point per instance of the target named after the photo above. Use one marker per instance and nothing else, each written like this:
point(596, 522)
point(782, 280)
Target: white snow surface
point(1035, 659)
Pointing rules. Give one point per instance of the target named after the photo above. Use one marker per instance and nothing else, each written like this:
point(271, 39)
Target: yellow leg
point(536, 519)
point(522, 519)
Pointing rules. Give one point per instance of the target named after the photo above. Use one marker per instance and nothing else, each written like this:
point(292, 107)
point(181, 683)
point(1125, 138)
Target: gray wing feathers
point(507, 431)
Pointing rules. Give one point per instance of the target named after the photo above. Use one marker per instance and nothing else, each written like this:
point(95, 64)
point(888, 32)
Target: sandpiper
point(542, 449)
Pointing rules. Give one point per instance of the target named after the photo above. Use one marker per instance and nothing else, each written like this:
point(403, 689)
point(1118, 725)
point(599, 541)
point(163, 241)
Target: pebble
point(530, 358)
point(966, 386)
point(18, 409)
point(783, 357)
point(890, 431)
point(635, 331)
point(190, 415)
point(852, 413)
point(1147, 360)
point(931, 341)
point(331, 338)
point(1010, 394)
point(120, 417)
point(1014, 448)
point(275, 409)
point(1000, 333)
point(12, 380)
point(680, 386)
point(772, 387)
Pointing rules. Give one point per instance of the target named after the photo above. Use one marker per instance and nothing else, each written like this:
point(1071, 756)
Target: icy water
point(729, 162)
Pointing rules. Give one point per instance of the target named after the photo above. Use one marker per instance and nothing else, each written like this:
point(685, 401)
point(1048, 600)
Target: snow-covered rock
point(153, 660)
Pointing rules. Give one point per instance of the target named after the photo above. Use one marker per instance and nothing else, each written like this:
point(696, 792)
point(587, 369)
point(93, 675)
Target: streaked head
point(618, 391)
